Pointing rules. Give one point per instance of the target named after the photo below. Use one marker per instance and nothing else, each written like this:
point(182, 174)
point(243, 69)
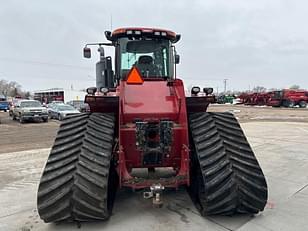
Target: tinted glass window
point(30, 104)
point(277, 94)
point(65, 108)
point(151, 57)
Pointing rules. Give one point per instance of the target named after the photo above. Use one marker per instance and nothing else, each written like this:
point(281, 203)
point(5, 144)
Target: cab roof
point(143, 32)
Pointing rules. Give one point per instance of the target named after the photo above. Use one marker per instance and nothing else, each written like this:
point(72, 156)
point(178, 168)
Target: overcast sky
point(249, 43)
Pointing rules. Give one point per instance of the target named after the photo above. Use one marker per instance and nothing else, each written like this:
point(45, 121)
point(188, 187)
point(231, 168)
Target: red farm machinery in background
point(144, 133)
point(255, 98)
point(289, 98)
point(280, 98)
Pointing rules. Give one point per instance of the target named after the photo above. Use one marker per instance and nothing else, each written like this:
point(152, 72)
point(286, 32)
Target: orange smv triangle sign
point(134, 76)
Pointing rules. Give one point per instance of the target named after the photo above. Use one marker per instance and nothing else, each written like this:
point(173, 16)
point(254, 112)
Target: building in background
point(58, 94)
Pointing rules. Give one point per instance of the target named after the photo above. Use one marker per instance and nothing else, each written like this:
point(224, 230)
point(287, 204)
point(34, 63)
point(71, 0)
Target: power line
point(204, 80)
point(87, 78)
point(44, 63)
point(111, 22)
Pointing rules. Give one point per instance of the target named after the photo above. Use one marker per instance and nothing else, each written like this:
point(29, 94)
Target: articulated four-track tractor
point(143, 133)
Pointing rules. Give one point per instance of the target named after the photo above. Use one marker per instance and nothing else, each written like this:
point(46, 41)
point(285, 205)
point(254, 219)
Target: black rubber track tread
point(79, 181)
point(225, 175)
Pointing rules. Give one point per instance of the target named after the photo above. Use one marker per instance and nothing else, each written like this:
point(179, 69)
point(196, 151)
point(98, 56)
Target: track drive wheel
point(289, 103)
point(302, 104)
point(225, 175)
point(79, 180)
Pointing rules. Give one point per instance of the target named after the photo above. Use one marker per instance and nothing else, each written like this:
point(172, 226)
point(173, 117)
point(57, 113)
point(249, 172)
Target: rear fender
point(104, 104)
point(199, 103)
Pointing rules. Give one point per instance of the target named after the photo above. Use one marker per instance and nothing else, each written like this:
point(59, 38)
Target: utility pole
point(225, 85)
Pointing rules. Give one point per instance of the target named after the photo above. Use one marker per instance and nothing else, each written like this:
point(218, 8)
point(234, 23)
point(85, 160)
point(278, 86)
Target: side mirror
point(177, 59)
point(87, 52)
point(177, 38)
point(108, 35)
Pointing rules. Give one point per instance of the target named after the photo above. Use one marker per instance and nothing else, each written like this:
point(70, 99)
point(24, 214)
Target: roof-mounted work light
point(195, 90)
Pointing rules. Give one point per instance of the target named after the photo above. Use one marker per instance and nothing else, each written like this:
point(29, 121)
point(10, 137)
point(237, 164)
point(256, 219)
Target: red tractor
point(289, 98)
point(143, 133)
point(275, 99)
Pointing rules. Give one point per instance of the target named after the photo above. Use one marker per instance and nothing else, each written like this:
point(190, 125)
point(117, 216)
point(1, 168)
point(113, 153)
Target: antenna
point(110, 22)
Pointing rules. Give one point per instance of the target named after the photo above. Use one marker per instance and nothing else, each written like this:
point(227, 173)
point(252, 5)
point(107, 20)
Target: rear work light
point(91, 90)
point(208, 90)
point(195, 90)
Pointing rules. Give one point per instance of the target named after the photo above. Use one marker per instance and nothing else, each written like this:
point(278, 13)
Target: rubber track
point(77, 179)
point(225, 175)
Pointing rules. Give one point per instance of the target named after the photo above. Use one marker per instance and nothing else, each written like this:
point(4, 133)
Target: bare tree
point(273, 89)
point(27, 95)
point(295, 87)
point(4, 87)
point(259, 89)
point(11, 88)
point(15, 88)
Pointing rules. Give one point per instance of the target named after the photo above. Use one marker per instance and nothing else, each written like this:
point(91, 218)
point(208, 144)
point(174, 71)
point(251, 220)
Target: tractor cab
point(277, 95)
point(150, 51)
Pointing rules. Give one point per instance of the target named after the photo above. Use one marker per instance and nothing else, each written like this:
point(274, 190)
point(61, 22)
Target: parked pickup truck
point(29, 110)
point(4, 106)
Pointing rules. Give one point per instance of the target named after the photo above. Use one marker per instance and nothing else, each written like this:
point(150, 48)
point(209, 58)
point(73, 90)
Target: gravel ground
point(277, 135)
point(33, 135)
point(30, 135)
point(280, 147)
point(263, 113)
